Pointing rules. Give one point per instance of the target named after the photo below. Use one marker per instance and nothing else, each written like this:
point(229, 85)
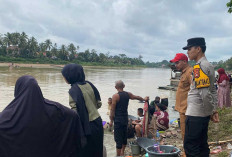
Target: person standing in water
point(109, 105)
point(85, 99)
point(119, 115)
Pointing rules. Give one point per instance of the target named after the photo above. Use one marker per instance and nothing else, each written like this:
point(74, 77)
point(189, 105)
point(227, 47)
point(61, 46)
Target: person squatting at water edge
point(32, 126)
point(181, 63)
point(138, 123)
point(119, 115)
point(161, 117)
point(85, 99)
point(159, 120)
point(202, 101)
point(223, 91)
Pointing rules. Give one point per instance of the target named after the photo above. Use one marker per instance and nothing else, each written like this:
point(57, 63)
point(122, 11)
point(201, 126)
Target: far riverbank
point(37, 65)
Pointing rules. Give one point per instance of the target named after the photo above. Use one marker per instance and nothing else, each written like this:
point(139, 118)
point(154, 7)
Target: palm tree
point(48, 44)
point(24, 35)
point(23, 39)
point(2, 46)
point(2, 43)
point(42, 47)
point(8, 39)
point(63, 53)
point(15, 38)
point(54, 51)
point(32, 46)
point(71, 48)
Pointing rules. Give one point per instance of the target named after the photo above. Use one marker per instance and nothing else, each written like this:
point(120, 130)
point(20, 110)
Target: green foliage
point(222, 130)
point(223, 154)
point(227, 65)
point(229, 5)
point(18, 47)
point(21, 48)
point(163, 64)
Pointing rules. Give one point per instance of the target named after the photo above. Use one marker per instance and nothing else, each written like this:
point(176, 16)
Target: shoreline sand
point(37, 65)
point(8, 64)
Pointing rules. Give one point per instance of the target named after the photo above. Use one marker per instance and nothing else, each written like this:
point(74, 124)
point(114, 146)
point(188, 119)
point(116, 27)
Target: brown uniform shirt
point(183, 89)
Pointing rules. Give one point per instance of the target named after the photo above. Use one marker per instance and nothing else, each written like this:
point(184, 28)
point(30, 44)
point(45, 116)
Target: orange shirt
point(183, 89)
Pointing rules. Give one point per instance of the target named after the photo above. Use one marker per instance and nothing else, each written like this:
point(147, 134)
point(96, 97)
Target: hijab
point(34, 126)
point(222, 75)
point(74, 75)
point(162, 107)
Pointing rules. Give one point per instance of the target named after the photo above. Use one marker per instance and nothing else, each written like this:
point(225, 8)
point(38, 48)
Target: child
point(109, 105)
point(138, 123)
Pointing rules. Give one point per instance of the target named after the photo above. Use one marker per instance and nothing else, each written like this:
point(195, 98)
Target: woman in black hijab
point(85, 99)
point(32, 126)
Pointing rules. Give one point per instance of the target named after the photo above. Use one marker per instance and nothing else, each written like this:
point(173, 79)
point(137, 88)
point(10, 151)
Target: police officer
point(202, 100)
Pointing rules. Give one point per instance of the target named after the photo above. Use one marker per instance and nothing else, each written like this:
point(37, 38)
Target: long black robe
point(31, 126)
point(74, 75)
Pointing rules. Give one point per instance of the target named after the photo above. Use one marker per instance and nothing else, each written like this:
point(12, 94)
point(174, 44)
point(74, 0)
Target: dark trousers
point(195, 141)
point(94, 147)
point(120, 135)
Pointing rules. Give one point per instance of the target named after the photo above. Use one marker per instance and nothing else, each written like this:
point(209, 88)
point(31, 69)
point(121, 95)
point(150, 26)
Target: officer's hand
point(215, 117)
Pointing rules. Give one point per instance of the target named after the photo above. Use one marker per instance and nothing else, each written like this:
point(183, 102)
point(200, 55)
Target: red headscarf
point(222, 75)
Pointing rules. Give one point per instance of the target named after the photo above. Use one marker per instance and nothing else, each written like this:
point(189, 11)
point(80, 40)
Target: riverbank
point(37, 65)
point(219, 137)
point(18, 65)
point(46, 60)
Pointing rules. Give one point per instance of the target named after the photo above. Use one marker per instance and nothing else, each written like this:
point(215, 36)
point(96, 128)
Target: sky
point(155, 29)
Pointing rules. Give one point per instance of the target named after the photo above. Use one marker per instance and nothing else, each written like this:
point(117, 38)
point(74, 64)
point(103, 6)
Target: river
point(139, 81)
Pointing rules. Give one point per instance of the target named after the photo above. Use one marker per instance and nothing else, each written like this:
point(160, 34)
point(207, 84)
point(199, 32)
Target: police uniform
point(202, 101)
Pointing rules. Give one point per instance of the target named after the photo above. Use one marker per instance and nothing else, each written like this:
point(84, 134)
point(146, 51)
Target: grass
point(223, 154)
point(223, 130)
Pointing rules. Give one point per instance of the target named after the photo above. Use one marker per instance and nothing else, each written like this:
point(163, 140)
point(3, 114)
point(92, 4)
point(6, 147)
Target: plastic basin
point(168, 151)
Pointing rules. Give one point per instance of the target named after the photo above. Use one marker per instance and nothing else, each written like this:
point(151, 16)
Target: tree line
point(20, 47)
